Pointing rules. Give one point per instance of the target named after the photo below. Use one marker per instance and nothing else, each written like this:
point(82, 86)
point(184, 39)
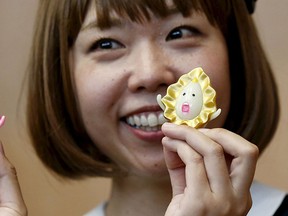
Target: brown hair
point(55, 126)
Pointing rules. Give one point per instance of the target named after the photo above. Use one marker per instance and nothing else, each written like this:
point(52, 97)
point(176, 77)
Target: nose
point(151, 68)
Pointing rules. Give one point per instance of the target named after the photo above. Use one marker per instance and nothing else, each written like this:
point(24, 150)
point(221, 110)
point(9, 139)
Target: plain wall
point(271, 18)
point(46, 195)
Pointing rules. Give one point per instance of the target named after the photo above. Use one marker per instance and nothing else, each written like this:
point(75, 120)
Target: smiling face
point(119, 71)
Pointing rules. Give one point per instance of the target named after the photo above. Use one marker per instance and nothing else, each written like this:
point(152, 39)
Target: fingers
point(213, 145)
point(184, 163)
point(212, 154)
point(11, 197)
point(244, 155)
point(215, 167)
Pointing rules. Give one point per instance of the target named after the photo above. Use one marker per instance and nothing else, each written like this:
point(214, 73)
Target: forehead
point(106, 12)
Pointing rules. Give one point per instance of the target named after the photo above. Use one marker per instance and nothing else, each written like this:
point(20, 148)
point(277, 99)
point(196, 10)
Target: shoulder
point(267, 200)
point(283, 209)
point(98, 211)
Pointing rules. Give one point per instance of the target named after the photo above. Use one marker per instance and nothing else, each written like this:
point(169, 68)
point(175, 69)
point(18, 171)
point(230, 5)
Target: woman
point(96, 64)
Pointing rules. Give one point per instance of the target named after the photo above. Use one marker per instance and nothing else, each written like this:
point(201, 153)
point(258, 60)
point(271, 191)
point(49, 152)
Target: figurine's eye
point(193, 95)
point(184, 94)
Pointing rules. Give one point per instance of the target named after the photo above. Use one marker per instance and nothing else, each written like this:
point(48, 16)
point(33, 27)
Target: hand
point(11, 201)
point(211, 171)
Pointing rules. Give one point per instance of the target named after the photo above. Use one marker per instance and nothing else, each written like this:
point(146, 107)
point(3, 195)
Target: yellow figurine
point(190, 101)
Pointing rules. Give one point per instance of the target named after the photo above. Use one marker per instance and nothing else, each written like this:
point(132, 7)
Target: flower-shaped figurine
point(190, 101)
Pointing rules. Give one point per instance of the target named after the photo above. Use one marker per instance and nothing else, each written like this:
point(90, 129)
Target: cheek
point(98, 115)
point(217, 68)
point(221, 83)
point(220, 80)
point(93, 95)
point(99, 95)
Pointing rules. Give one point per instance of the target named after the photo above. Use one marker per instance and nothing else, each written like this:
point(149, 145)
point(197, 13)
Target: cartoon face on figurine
point(190, 101)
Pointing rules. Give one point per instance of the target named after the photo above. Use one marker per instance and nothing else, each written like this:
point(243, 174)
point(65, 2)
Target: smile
point(147, 121)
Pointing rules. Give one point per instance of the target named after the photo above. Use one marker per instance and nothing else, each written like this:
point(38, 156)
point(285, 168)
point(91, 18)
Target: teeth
point(152, 120)
point(137, 120)
point(161, 119)
point(149, 123)
point(144, 121)
point(131, 120)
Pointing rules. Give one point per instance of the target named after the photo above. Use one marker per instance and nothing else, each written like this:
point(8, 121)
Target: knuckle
point(219, 131)
point(7, 169)
point(255, 151)
point(251, 151)
point(216, 150)
point(10, 167)
point(12, 170)
point(196, 158)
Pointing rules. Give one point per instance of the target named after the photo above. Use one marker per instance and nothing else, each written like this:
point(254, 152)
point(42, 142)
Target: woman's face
point(119, 71)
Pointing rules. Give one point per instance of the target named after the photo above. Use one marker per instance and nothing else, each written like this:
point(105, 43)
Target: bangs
point(216, 11)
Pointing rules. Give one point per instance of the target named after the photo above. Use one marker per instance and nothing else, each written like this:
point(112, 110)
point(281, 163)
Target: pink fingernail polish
point(2, 121)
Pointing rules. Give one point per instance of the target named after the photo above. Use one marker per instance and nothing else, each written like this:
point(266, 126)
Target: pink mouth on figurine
point(2, 121)
point(185, 108)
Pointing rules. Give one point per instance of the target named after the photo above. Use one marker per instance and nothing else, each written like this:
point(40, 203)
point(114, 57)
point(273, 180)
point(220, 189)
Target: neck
point(139, 196)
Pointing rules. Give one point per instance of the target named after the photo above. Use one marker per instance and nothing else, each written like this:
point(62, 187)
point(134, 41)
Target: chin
point(150, 170)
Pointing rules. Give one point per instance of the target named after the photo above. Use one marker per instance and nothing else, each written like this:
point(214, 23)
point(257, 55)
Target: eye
point(182, 32)
point(193, 95)
point(184, 94)
point(105, 44)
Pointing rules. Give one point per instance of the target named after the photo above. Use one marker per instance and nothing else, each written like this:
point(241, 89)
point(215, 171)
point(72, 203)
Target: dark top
point(283, 209)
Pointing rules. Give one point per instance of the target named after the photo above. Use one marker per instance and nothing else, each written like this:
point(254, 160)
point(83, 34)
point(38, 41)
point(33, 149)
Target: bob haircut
point(56, 129)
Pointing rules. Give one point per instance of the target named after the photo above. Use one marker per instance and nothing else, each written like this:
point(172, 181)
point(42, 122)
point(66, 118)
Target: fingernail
point(2, 121)
point(167, 125)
